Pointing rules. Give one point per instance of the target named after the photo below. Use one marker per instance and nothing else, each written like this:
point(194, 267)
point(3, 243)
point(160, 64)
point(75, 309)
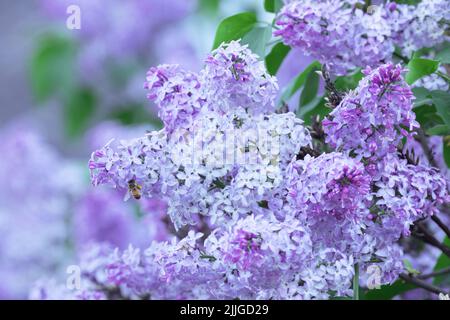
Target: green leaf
point(427, 116)
point(78, 111)
point(438, 130)
point(273, 5)
point(134, 113)
point(314, 108)
point(444, 55)
point(411, 2)
point(419, 68)
point(341, 298)
point(442, 262)
point(257, 39)
point(310, 89)
point(51, 70)
point(234, 28)
point(441, 100)
point(387, 292)
point(409, 267)
point(298, 82)
point(349, 82)
point(423, 97)
point(446, 152)
point(275, 58)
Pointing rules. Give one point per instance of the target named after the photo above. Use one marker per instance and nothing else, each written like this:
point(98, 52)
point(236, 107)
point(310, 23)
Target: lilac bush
point(371, 120)
point(305, 157)
point(260, 209)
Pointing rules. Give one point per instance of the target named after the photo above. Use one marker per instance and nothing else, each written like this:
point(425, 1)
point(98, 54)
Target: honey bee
point(135, 189)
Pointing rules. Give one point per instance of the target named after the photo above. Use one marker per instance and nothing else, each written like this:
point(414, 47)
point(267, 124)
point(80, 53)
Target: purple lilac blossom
point(236, 75)
point(422, 189)
point(282, 225)
point(346, 35)
point(180, 166)
point(332, 184)
point(336, 32)
point(185, 269)
point(424, 25)
point(371, 120)
point(176, 93)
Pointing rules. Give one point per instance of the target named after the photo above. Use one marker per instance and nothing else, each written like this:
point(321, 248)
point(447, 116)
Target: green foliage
point(275, 58)
point(78, 111)
point(409, 267)
point(432, 110)
point(234, 28)
point(438, 130)
point(419, 67)
point(244, 26)
point(387, 292)
point(442, 262)
point(257, 39)
point(311, 105)
point(444, 55)
point(422, 96)
point(298, 82)
point(52, 67)
point(441, 100)
point(134, 113)
point(349, 82)
point(273, 5)
point(315, 108)
point(310, 89)
point(412, 2)
point(428, 118)
point(446, 151)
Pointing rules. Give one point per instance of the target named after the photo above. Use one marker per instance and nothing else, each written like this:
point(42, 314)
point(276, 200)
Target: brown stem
point(426, 149)
point(334, 96)
point(422, 284)
point(112, 293)
point(441, 224)
point(427, 237)
point(434, 274)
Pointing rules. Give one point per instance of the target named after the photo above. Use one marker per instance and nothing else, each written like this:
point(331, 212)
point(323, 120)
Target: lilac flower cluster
point(334, 195)
point(176, 93)
point(331, 184)
point(258, 258)
point(221, 165)
point(421, 26)
point(235, 74)
point(278, 220)
point(347, 35)
point(370, 123)
point(371, 120)
point(407, 193)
